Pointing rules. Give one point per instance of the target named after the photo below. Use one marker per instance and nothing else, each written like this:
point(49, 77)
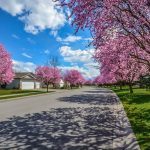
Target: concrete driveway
point(82, 119)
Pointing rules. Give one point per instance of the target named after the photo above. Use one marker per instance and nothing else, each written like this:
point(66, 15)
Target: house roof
point(21, 75)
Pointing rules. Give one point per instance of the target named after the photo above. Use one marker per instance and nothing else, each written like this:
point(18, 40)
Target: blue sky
point(33, 33)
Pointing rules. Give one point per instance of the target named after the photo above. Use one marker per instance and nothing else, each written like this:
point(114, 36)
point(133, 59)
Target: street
point(81, 119)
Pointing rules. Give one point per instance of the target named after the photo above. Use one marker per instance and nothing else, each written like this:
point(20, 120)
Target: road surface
point(81, 119)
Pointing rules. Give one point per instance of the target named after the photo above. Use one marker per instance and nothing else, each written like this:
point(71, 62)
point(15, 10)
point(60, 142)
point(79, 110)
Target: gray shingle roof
point(20, 75)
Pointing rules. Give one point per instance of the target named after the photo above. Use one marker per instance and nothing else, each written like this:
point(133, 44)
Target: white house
point(61, 83)
point(24, 81)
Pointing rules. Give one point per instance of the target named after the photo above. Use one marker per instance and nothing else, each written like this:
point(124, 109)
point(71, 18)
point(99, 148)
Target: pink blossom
point(6, 71)
point(48, 75)
point(112, 18)
point(74, 77)
point(117, 63)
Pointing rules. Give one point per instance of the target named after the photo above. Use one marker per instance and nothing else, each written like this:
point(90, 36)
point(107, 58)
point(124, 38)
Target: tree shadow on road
point(93, 99)
point(65, 129)
point(99, 91)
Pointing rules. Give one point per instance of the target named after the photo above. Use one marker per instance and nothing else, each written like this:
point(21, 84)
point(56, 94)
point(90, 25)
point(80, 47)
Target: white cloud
point(92, 69)
point(54, 33)
point(79, 55)
point(14, 7)
point(37, 15)
point(59, 39)
point(15, 36)
point(70, 38)
point(31, 41)
point(20, 66)
point(88, 73)
point(80, 60)
point(88, 39)
point(26, 55)
point(47, 51)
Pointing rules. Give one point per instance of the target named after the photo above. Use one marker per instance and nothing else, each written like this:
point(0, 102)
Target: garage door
point(37, 85)
point(27, 85)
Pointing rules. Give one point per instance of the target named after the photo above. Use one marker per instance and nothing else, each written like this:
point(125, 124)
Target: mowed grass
point(137, 107)
point(15, 91)
point(7, 94)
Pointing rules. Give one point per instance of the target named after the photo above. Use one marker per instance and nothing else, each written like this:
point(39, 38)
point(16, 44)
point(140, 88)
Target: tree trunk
point(130, 88)
point(120, 86)
point(53, 85)
point(47, 87)
point(3, 86)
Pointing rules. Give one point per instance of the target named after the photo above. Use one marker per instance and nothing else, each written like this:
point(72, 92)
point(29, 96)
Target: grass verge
point(137, 107)
point(16, 91)
point(8, 94)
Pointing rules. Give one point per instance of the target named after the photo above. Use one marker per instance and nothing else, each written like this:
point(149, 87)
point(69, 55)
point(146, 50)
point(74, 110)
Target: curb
point(21, 97)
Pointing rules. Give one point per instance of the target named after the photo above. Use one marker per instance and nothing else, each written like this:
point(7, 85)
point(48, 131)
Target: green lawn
point(15, 91)
point(7, 94)
point(137, 107)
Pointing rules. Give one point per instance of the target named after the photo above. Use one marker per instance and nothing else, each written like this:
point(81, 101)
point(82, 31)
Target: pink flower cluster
point(6, 71)
point(121, 35)
point(112, 18)
point(48, 75)
point(117, 63)
point(74, 77)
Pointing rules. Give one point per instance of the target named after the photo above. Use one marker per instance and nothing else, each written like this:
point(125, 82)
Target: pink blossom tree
point(48, 75)
point(6, 71)
point(89, 82)
point(74, 77)
point(56, 76)
point(104, 78)
point(107, 18)
point(97, 80)
point(116, 62)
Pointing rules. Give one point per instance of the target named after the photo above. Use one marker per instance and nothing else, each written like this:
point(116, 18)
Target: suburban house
point(61, 83)
point(66, 84)
point(24, 81)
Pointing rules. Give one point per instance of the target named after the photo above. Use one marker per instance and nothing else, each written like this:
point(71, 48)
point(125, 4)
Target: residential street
point(80, 119)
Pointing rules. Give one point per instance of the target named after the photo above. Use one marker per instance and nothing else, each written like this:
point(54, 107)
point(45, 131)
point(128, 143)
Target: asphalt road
point(81, 119)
